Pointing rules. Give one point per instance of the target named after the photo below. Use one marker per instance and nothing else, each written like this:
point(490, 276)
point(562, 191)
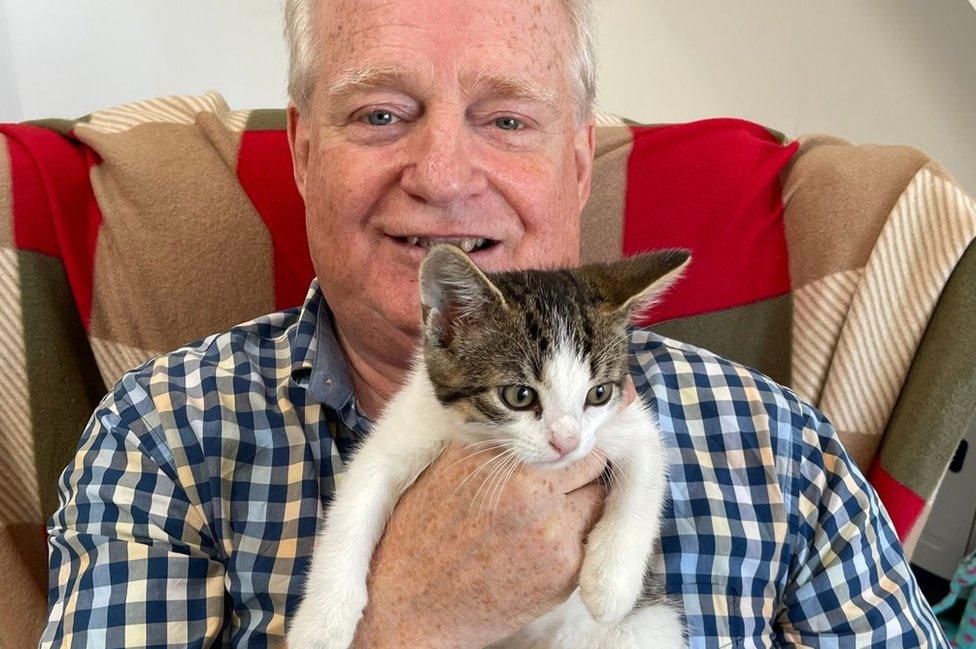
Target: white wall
point(892, 71)
point(10, 108)
point(887, 71)
point(70, 57)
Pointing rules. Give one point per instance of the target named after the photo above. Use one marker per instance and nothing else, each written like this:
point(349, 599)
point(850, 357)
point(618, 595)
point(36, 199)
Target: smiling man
point(188, 516)
point(428, 121)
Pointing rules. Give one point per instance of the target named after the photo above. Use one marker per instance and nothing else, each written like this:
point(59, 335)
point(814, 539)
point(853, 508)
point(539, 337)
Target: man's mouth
point(467, 244)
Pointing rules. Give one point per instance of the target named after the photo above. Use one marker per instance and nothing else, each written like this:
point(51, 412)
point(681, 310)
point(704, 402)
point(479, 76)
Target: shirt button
point(329, 381)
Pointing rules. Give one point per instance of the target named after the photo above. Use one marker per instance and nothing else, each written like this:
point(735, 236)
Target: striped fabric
point(819, 311)
point(796, 247)
point(930, 227)
point(167, 110)
point(19, 491)
point(861, 317)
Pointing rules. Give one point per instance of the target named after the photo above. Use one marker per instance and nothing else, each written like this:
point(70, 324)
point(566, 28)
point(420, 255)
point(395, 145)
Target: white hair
point(300, 36)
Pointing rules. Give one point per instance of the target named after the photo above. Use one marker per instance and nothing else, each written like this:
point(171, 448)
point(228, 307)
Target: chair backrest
point(137, 229)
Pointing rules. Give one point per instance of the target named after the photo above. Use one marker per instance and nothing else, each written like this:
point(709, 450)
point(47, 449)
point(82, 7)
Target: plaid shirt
point(189, 513)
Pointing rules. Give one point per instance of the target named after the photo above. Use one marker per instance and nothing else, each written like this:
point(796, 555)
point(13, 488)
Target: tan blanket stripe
point(819, 311)
point(157, 291)
point(607, 119)
point(837, 198)
point(167, 110)
point(6, 198)
point(927, 232)
point(115, 359)
point(602, 221)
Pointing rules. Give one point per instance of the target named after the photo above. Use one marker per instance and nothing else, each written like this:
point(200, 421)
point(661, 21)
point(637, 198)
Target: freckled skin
point(501, 585)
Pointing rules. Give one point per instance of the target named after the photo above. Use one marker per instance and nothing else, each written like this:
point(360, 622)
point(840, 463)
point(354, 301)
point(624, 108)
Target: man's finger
point(585, 505)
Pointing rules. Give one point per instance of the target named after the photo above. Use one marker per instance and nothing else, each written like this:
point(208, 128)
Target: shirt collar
point(318, 363)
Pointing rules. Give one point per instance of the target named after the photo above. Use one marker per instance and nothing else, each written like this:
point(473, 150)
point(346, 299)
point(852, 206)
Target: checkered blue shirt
point(188, 515)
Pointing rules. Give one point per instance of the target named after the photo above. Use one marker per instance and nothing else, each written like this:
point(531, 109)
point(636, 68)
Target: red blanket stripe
point(711, 186)
point(904, 506)
point(54, 207)
point(264, 170)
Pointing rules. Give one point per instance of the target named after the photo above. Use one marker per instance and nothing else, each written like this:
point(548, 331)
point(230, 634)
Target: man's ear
point(584, 148)
point(635, 284)
point(453, 289)
point(298, 143)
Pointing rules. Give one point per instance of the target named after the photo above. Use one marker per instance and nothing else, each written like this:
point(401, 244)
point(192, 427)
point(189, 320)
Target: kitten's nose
point(564, 436)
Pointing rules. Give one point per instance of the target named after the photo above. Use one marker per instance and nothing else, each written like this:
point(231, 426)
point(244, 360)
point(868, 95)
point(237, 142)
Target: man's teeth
point(467, 244)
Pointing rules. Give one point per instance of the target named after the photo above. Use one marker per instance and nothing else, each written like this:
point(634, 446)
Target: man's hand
point(462, 565)
point(457, 570)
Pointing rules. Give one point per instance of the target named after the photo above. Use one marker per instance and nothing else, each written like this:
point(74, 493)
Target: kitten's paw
point(608, 591)
point(657, 625)
point(330, 626)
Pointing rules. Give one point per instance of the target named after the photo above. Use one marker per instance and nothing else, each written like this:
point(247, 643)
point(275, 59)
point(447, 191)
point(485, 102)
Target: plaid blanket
point(846, 272)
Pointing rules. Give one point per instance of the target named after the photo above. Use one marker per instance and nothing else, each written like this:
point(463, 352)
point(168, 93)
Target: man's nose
point(440, 170)
point(564, 435)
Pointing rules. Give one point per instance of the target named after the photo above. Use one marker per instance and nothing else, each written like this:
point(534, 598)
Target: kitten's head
point(535, 360)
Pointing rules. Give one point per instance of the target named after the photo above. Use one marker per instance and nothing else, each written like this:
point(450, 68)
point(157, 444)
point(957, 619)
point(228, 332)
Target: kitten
point(538, 359)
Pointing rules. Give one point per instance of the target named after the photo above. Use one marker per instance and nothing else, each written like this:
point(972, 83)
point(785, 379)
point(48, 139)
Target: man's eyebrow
point(375, 77)
point(368, 78)
point(510, 87)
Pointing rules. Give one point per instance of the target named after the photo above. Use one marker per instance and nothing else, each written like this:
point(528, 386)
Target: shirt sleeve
point(850, 584)
point(131, 561)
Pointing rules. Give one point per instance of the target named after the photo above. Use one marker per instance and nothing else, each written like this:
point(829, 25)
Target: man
point(189, 513)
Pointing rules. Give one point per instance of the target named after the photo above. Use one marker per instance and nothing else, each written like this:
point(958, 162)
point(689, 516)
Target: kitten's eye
point(599, 394)
point(379, 117)
point(518, 397)
point(509, 123)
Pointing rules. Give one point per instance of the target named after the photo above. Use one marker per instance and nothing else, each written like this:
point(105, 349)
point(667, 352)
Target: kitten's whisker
point(615, 473)
point(498, 482)
point(471, 455)
point(486, 441)
point(502, 483)
point(490, 479)
point(595, 458)
point(618, 474)
point(514, 466)
point(612, 477)
point(491, 475)
point(481, 467)
point(486, 466)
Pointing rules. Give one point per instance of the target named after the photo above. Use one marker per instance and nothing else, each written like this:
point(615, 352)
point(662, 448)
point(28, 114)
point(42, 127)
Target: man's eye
point(509, 123)
point(379, 117)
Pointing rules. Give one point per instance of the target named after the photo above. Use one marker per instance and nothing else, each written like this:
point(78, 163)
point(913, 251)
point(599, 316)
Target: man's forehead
point(512, 47)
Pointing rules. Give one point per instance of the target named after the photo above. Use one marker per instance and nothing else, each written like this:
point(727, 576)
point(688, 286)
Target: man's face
point(436, 119)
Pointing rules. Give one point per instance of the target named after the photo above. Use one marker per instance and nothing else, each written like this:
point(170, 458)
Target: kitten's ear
point(636, 284)
point(453, 288)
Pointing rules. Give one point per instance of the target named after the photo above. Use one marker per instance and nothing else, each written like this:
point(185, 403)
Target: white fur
point(413, 431)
